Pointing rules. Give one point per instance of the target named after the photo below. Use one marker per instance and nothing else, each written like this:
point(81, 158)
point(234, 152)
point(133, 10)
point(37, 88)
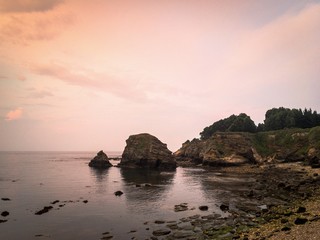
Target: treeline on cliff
point(275, 119)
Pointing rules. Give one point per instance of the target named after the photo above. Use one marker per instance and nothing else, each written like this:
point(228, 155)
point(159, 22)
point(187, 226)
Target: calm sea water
point(33, 180)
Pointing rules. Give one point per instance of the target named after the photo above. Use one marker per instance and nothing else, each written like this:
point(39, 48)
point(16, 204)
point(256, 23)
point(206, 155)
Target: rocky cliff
point(147, 151)
point(228, 148)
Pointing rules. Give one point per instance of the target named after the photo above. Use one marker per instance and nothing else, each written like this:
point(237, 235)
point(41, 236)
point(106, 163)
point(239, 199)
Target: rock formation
point(236, 148)
point(100, 161)
point(145, 150)
point(222, 149)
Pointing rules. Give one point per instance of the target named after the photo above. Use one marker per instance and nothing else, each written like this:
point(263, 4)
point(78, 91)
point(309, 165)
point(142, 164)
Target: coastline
point(298, 217)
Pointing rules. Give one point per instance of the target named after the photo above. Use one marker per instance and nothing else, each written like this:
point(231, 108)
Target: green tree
point(240, 123)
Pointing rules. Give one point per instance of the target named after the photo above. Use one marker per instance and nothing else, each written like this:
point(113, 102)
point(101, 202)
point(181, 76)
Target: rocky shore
point(283, 200)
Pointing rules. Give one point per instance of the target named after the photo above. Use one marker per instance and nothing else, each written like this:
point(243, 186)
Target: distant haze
point(84, 75)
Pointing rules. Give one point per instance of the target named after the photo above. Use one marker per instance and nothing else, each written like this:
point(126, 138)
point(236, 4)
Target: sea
point(83, 202)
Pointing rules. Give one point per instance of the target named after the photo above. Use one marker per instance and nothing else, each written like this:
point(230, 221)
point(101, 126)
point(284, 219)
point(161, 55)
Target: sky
point(79, 75)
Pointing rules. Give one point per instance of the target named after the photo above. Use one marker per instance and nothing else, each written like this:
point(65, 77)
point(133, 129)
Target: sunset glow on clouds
point(88, 74)
point(14, 114)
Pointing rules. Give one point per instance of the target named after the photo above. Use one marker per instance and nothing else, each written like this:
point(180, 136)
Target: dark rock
point(224, 207)
point(100, 161)
point(301, 210)
point(138, 185)
point(118, 193)
point(161, 232)
point(5, 213)
point(285, 228)
point(54, 202)
point(106, 237)
point(44, 210)
point(204, 208)
point(181, 207)
point(146, 151)
point(5, 199)
point(300, 221)
point(85, 201)
point(3, 221)
point(159, 222)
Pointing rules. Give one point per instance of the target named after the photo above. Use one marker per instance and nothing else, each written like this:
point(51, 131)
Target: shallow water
point(33, 180)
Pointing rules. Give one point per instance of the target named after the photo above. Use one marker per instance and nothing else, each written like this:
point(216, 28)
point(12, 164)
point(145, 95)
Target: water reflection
point(100, 176)
point(145, 190)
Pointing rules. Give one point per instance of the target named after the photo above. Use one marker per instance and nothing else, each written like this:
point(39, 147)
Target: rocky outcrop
point(100, 161)
point(229, 148)
point(145, 150)
point(222, 149)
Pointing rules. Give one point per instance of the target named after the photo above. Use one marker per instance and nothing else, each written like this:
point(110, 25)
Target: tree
point(240, 123)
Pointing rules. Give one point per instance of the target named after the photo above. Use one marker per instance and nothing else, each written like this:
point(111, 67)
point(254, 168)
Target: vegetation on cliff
point(275, 119)
point(234, 123)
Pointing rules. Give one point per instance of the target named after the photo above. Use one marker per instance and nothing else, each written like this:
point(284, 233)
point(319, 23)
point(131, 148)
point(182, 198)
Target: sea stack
point(100, 161)
point(146, 151)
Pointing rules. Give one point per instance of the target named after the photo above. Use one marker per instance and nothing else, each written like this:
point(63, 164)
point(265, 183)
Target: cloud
point(14, 114)
point(285, 50)
point(24, 28)
point(121, 86)
point(28, 5)
point(40, 93)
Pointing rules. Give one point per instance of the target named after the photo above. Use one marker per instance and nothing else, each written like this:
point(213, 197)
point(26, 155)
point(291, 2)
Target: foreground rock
point(100, 161)
point(146, 151)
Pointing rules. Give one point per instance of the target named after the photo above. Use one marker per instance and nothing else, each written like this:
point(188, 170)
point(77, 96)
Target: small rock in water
point(181, 207)
point(224, 207)
point(138, 185)
point(204, 208)
point(3, 221)
point(5, 213)
point(54, 202)
point(159, 222)
point(44, 210)
point(5, 199)
point(118, 193)
point(161, 232)
point(85, 201)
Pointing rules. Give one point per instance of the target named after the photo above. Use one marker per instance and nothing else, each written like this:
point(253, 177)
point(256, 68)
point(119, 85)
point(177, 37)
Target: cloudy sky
point(84, 75)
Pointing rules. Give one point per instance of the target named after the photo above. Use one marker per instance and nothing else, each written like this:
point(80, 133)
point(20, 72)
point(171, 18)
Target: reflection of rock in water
point(143, 186)
point(100, 177)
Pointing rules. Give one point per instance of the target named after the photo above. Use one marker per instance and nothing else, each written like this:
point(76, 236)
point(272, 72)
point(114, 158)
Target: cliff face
point(227, 148)
point(145, 150)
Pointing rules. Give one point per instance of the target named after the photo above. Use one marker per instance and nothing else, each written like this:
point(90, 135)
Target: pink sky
point(84, 75)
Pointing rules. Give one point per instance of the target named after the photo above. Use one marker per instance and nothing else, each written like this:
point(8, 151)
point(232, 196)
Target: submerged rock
point(118, 193)
point(147, 151)
point(100, 161)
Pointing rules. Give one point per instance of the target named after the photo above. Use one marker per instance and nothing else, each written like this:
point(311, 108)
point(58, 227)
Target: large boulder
point(147, 151)
point(100, 161)
point(221, 149)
